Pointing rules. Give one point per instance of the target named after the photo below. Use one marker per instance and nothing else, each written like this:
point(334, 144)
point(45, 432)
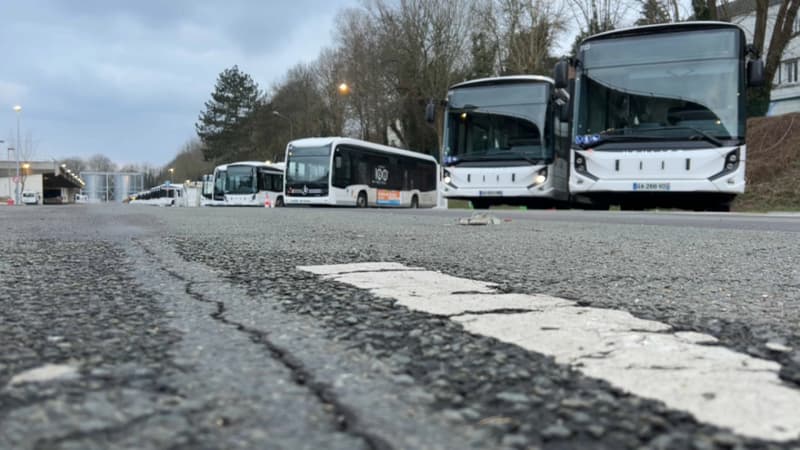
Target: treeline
point(189, 164)
point(390, 57)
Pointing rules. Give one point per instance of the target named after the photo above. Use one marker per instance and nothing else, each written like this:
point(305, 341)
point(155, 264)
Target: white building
point(785, 97)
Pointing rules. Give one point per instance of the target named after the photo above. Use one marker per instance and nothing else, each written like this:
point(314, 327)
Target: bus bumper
point(544, 191)
point(732, 183)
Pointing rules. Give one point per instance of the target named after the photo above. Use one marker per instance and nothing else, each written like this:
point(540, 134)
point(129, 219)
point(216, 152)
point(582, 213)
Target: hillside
point(773, 165)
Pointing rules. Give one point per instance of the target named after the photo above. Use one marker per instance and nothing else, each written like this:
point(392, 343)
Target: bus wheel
point(279, 202)
point(361, 201)
point(414, 202)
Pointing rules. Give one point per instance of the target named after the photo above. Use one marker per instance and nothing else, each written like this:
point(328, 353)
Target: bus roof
point(322, 141)
point(502, 80)
point(279, 166)
point(661, 28)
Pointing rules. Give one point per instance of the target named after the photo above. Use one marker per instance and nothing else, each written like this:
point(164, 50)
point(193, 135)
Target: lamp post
point(171, 171)
point(18, 110)
point(291, 125)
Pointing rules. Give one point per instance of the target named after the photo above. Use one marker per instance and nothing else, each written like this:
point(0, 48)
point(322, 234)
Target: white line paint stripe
point(346, 268)
point(715, 384)
point(47, 372)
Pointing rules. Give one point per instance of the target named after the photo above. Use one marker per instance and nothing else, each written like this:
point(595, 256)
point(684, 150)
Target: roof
point(503, 80)
point(663, 27)
point(274, 166)
point(323, 141)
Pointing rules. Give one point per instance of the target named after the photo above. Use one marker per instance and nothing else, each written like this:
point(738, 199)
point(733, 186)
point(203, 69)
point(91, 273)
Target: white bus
point(163, 195)
point(504, 143)
point(350, 172)
point(245, 183)
point(660, 116)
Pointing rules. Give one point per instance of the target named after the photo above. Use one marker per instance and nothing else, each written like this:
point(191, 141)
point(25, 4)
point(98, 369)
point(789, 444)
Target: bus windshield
point(498, 122)
point(684, 85)
point(240, 180)
point(308, 166)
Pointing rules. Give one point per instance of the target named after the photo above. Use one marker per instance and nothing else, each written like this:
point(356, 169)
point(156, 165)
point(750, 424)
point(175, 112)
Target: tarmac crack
point(345, 419)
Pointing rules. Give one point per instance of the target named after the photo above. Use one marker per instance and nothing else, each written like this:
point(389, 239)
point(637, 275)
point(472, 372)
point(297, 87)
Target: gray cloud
point(128, 79)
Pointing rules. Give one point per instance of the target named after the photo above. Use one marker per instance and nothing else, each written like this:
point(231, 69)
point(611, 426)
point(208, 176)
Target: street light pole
point(18, 110)
point(291, 125)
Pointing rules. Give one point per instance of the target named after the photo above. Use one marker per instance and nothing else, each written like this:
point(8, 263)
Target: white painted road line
point(717, 385)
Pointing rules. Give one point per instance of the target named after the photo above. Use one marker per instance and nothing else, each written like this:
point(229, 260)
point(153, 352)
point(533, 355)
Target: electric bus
point(162, 195)
point(246, 183)
point(504, 142)
point(351, 172)
point(659, 115)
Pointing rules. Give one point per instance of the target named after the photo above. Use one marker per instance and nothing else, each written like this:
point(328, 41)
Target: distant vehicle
point(246, 183)
point(660, 115)
point(505, 143)
point(30, 198)
point(350, 172)
point(163, 195)
point(81, 198)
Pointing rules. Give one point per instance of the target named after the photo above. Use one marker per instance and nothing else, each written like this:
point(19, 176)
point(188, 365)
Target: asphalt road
point(194, 328)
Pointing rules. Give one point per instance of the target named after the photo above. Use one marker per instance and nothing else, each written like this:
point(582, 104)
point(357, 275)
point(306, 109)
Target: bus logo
point(381, 175)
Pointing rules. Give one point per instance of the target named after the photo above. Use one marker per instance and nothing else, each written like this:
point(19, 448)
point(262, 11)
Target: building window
point(796, 25)
point(788, 72)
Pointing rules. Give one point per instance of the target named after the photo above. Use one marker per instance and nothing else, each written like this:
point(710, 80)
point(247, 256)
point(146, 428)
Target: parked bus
point(350, 172)
point(163, 195)
point(504, 143)
point(246, 183)
point(659, 115)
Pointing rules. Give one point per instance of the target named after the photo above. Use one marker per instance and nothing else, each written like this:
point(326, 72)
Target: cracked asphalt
point(192, 328)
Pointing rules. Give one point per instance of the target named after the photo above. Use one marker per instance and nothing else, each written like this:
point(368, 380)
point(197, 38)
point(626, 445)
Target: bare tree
point(100, 163)
point(595, 16)
point(427, 51)
point(529, 29)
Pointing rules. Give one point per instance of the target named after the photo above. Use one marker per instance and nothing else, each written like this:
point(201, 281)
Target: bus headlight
point(731, 164)
point(541, 176)
point(446, 178)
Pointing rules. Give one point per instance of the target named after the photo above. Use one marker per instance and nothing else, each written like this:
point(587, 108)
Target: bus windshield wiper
point(618, 135)
point(703, 134)
point(497, 157)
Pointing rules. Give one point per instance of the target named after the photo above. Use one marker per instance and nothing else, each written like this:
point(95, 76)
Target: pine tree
point(222, 126)
point(653, 12)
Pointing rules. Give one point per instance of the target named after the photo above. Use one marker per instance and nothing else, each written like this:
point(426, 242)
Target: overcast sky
point(128, 78)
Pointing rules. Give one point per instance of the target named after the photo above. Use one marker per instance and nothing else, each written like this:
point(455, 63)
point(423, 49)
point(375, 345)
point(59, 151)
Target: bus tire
point(279, 202)
point(414, 202)
point(361, 200)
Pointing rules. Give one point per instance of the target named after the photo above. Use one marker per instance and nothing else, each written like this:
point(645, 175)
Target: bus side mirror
point(561, 74)
point(430, 112)
point(755, 73)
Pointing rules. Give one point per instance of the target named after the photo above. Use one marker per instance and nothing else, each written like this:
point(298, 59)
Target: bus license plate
point(650, 186)
point(490, 193)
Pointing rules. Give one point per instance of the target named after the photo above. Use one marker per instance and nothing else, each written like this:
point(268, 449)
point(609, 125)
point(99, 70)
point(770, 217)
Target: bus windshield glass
point(684, 85)
point(240, 180)
point(308, 166)
point(498, 122)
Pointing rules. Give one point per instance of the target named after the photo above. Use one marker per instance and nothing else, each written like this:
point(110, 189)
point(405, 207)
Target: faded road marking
point(717, 385)
point(48, 372)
